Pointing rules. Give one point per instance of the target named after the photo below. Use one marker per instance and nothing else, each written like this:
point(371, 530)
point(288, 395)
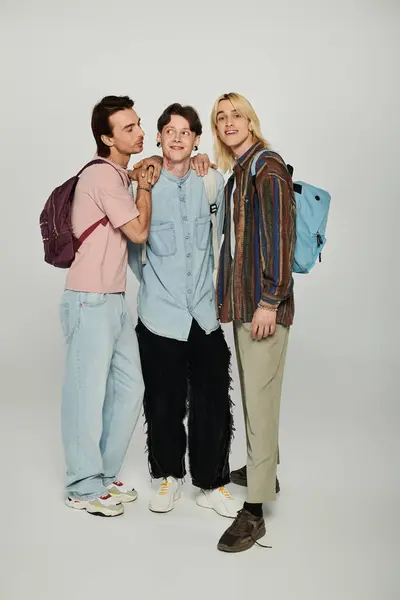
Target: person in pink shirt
point(103, 386)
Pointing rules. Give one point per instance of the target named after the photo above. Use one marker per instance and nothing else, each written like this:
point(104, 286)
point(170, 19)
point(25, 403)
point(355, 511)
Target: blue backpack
point(312, 208)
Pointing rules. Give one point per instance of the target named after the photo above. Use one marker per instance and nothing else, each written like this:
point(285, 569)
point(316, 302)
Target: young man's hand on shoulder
point(201, 163)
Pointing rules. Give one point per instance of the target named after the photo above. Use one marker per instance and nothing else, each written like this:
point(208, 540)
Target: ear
point(196, 141)
point(107, 140)
point(158, 137)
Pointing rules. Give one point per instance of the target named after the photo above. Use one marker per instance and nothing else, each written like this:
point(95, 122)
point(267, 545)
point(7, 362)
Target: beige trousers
point(261, 365)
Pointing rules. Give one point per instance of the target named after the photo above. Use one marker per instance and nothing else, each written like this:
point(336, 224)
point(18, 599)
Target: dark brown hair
point(101, 119)
point(187, 112)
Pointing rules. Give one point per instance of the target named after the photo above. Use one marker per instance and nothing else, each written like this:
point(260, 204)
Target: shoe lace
point(241, 526)
point(259, 543)
point(164, 487)
point(225, 492)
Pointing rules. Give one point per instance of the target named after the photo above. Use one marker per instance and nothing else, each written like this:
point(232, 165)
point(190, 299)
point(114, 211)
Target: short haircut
point(101, 119)
point(187, 112)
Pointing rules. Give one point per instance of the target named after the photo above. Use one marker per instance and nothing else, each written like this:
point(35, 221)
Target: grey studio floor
point(334, 529)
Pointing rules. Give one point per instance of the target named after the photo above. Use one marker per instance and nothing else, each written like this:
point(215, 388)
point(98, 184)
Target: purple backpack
point(60, 244)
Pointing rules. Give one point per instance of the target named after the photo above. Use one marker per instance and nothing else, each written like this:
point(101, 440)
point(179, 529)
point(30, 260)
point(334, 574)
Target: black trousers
point(191, 378)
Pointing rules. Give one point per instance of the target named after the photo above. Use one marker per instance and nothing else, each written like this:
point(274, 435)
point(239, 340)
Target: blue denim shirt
point(176, 283)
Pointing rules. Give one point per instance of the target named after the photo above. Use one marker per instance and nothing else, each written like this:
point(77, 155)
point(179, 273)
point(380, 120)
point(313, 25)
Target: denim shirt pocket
point(162, 239)
point(203, 230)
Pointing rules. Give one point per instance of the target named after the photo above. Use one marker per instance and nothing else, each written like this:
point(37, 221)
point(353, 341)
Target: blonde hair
point(224, 156)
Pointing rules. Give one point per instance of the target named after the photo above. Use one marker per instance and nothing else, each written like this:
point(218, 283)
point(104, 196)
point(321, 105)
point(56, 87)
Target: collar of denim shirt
point(173, 177)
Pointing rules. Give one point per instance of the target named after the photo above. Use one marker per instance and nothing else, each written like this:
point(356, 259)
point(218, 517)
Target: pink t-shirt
point(100, 264)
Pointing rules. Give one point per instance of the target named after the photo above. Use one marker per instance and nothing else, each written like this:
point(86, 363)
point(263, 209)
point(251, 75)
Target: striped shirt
point(265, 232)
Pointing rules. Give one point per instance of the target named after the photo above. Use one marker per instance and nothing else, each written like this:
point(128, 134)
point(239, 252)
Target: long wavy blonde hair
point(224, 156)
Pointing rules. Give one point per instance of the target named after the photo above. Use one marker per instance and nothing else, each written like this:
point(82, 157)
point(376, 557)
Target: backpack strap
point(254, 163)
point(90, 229)
point(210, 186)
point(296, 186)
point(99, 161)
point(271, 153)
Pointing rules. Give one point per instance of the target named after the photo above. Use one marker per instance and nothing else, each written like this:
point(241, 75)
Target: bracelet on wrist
point(140, 187)
point(269, 307)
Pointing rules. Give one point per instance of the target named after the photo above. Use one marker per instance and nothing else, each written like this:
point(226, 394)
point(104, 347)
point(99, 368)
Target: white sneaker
point(121, 493)
point(163, 500)
point(219, 500)
point(104, 506)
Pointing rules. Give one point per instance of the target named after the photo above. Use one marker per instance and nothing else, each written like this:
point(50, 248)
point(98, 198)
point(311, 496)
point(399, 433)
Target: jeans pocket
point(69, 317)
point(247, 327)
point(92, 300)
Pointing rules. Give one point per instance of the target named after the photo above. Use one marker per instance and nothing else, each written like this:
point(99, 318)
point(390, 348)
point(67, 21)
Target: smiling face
point(177, 140)
point(234, 130)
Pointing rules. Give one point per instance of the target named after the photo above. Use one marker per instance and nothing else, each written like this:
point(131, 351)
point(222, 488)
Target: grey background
point(323, 77)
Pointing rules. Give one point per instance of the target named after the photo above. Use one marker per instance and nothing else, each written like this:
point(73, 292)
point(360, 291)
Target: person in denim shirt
point(185, 358)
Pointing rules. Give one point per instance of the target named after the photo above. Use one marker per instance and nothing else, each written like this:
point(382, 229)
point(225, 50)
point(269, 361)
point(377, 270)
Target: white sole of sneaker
point(125, 499)
point(104, 511)
point(176, 497)
point(203, 502)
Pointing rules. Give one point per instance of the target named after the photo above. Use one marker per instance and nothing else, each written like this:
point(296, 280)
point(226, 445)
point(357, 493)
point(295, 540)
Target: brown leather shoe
point(240, 478)
point(244, 532)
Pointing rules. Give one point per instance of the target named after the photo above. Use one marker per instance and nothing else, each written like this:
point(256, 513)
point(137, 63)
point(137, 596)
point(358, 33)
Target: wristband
point(270, 308)
point(143, 188)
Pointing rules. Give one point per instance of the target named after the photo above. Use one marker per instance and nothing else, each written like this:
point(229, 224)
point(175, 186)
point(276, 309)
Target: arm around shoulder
point(116, 201)
point(137, 229)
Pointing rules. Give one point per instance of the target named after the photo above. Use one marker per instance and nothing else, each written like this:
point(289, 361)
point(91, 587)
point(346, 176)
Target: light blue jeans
point(103, 389)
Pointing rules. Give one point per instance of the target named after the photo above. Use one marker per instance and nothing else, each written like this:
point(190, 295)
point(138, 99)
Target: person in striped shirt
point(255, 292)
